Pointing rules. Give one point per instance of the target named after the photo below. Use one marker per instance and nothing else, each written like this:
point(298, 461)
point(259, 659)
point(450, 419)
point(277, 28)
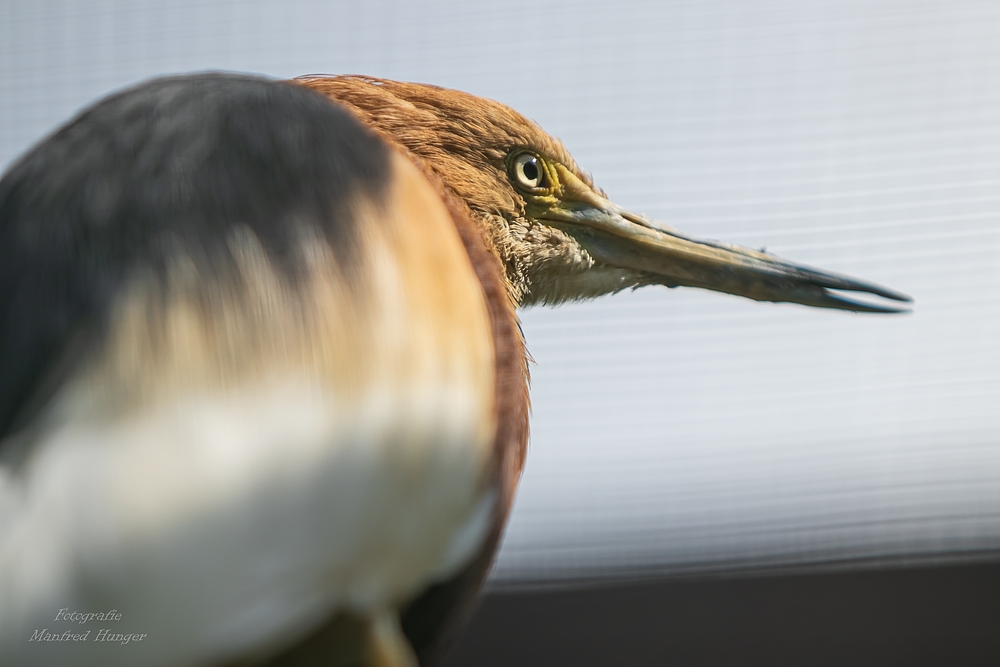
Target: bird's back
point(257, 370)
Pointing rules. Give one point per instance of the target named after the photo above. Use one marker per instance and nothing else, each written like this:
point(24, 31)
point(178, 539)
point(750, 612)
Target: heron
point(263, 388)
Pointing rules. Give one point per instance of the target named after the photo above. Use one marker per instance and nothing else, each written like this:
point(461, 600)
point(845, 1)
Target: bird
point(263, 386)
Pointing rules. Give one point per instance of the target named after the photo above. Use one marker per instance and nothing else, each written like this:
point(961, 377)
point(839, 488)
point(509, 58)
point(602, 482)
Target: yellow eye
point(528, 172)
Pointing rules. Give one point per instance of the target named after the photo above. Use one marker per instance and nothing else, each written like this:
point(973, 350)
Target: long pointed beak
point(623, 239)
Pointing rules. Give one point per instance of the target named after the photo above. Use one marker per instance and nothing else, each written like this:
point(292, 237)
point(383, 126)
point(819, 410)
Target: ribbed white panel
point(680, 430)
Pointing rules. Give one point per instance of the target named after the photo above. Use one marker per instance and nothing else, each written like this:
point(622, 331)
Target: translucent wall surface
point(677, 430)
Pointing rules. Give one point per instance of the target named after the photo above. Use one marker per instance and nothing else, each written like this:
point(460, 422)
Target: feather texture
point(261, 399)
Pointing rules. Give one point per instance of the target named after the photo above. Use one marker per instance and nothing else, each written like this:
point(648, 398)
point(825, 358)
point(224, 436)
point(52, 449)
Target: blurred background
point(746, 472)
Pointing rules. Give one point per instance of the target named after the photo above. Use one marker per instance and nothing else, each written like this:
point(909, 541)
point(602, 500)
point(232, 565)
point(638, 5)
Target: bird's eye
point(528, 171)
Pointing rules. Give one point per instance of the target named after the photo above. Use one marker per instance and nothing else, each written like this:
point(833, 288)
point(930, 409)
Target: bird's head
point(557, 234)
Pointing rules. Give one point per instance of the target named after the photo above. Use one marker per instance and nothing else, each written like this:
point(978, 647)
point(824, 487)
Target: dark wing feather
point(170, 164)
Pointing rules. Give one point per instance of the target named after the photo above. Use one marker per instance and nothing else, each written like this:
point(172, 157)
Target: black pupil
point(530, 169)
